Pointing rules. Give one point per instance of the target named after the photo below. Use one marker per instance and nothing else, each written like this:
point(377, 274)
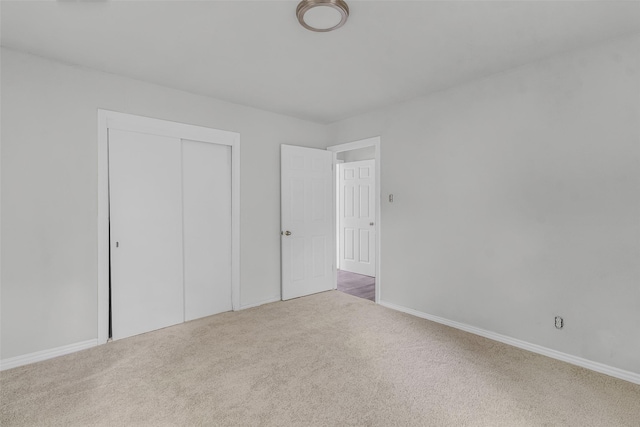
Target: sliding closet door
point(206, 174)
point(146, 232)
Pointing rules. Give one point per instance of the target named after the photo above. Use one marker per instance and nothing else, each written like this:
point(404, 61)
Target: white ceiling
point(255, 53)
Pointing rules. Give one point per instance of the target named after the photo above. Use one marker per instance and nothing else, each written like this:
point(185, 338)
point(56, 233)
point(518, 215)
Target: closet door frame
point(128, 122)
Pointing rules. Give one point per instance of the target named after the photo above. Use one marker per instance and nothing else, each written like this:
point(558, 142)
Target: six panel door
point(307, 221)
point(357, 217)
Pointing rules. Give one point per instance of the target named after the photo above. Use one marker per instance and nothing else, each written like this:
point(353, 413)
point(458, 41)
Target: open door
point(307, 221)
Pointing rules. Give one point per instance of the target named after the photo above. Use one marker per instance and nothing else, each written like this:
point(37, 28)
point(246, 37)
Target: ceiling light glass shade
point(322, 15)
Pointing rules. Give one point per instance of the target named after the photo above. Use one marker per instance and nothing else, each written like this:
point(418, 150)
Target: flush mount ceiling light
point(322, 15)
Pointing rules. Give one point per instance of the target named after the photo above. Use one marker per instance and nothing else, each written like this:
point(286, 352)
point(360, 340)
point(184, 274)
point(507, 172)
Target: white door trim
point(114, 120)
point(364, 143)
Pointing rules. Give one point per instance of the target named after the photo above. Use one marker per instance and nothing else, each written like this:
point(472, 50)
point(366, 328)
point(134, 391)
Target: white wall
point(517, 198)
point(367, 153)
point(49, 191)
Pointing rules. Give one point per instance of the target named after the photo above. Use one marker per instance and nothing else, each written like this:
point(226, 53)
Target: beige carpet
point(326, 360)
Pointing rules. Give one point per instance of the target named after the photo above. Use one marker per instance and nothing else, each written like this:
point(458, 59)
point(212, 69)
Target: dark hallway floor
point(357, 285)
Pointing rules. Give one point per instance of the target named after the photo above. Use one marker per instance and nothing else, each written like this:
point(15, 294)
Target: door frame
point(128, 122)
point(364, 143)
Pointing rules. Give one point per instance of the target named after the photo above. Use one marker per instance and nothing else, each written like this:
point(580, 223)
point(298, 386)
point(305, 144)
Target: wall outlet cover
point(559, 322)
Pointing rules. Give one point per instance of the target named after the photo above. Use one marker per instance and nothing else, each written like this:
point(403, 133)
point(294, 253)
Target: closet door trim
point(128, 122)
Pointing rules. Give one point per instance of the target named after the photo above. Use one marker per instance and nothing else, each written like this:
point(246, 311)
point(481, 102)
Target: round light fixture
point(322, 15)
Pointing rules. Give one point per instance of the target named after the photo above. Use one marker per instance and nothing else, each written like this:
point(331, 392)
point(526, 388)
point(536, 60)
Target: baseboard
point(554, 354)
point(14, 362)
point(274, 299)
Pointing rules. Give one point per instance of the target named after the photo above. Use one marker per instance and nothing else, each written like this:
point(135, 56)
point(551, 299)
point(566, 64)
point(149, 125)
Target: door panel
point(364, 246)
point(206, 174)
point(306, 202)
point(146, 232)
point(357, 217)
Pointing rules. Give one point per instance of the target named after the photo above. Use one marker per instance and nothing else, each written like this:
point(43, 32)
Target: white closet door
point(207, 228)
point(146, 232)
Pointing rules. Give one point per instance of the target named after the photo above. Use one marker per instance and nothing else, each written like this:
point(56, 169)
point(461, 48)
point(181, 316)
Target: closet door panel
point(206, 174)
point(145, 232)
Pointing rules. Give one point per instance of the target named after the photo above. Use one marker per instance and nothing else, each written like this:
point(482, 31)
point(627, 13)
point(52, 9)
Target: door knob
point(287, 233)
point(370, 223)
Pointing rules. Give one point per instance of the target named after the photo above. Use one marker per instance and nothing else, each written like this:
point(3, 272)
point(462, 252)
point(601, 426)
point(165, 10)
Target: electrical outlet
point(559, 322)
point(390, 198)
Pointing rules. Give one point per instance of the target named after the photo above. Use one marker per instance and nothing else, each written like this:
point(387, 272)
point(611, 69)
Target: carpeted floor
point(330, 359)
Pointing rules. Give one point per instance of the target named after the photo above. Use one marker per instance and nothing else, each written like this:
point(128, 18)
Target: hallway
point(357, 285)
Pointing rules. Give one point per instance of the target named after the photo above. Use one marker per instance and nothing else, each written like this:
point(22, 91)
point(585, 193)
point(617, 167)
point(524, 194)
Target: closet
point(169, 230)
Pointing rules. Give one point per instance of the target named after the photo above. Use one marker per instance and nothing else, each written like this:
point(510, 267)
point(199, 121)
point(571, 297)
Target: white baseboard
point(632, 377)
point(274, 299)
point(14, 362)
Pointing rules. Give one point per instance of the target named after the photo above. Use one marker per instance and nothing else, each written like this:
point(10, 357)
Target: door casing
point(128, 122)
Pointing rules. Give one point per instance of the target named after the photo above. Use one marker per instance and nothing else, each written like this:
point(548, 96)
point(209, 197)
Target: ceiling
point(255, 53)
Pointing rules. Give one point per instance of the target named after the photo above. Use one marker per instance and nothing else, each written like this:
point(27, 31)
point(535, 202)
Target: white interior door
point(207, 228)
point(146, 232)
point(357, 217)
point(307, 223)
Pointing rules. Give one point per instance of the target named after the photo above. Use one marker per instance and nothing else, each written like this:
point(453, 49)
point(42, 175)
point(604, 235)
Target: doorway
point(357, 218)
